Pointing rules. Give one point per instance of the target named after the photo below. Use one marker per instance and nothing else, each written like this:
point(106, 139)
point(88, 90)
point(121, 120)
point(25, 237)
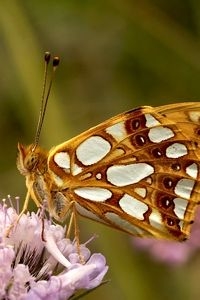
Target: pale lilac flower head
point(171, 252)
point(37, 267)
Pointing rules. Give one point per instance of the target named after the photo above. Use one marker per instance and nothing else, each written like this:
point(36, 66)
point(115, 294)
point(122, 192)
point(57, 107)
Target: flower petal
point(54, 250)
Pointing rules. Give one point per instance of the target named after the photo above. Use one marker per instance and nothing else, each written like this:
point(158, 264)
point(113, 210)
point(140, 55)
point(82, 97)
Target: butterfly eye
point(31, 161)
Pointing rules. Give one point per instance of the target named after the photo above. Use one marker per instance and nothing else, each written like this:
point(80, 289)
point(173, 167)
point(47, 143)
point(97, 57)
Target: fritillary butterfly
point(137, 172)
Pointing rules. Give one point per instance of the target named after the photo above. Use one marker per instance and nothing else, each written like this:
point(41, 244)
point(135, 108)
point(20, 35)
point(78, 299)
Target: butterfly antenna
point(45, 93)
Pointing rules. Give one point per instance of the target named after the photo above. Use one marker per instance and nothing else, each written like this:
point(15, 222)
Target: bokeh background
point(115, 55)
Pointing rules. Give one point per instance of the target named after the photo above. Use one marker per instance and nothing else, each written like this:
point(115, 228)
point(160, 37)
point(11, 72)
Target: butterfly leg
point(74, 221)
point(71, 222)
point(61, 207)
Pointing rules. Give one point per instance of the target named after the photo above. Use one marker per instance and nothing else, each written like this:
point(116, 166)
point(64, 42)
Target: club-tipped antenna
point(45, 94)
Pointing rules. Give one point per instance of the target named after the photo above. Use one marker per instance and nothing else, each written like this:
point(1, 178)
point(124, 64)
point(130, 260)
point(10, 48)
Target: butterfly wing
point(138, 171)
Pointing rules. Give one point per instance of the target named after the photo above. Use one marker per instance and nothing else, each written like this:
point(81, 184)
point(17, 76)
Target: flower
point(34, 266)
point(171, 252)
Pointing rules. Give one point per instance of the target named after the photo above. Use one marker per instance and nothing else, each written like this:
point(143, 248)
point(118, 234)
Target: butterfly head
point(31, 159)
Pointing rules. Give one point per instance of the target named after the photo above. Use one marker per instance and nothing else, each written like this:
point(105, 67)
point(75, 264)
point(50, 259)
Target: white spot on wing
point(93, 193)
point(184, 188)
point(125, 225)
point(159, 134)
point(180, 207)
point(149, 180)
point(181, 223)
point(194, 116)
point(122, 175)
point(176, 150)
point(133, 207)
point(85, 176)
point(155, 220)
point(98, 176)
point(87, 213)
point(62, 159)
point(58, 181)
point(76, 169)
point(92, 150)
point(117, 131)
point(192, 170)
point(151, 121)
point(141, 192)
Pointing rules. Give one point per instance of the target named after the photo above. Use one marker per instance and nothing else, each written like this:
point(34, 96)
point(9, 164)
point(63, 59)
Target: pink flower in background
point(49, 268)
point(172, 252)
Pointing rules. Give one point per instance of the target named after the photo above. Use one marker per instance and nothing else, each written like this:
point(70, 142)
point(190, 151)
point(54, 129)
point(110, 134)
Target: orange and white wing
point(138, 171)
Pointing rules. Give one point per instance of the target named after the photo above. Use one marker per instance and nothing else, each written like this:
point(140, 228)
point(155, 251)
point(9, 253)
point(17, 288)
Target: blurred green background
point(115, 55)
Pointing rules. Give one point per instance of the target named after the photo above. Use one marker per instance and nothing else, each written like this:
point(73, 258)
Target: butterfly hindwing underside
point(137, 172)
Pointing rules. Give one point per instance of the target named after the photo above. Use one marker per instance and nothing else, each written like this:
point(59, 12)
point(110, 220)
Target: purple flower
point(32, 267)
point(172, 252)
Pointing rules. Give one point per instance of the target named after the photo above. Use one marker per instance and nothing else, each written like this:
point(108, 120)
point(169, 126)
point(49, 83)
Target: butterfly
point(137, 172)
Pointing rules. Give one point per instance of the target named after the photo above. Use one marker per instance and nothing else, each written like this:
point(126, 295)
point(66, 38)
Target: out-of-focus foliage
point(115, 55)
